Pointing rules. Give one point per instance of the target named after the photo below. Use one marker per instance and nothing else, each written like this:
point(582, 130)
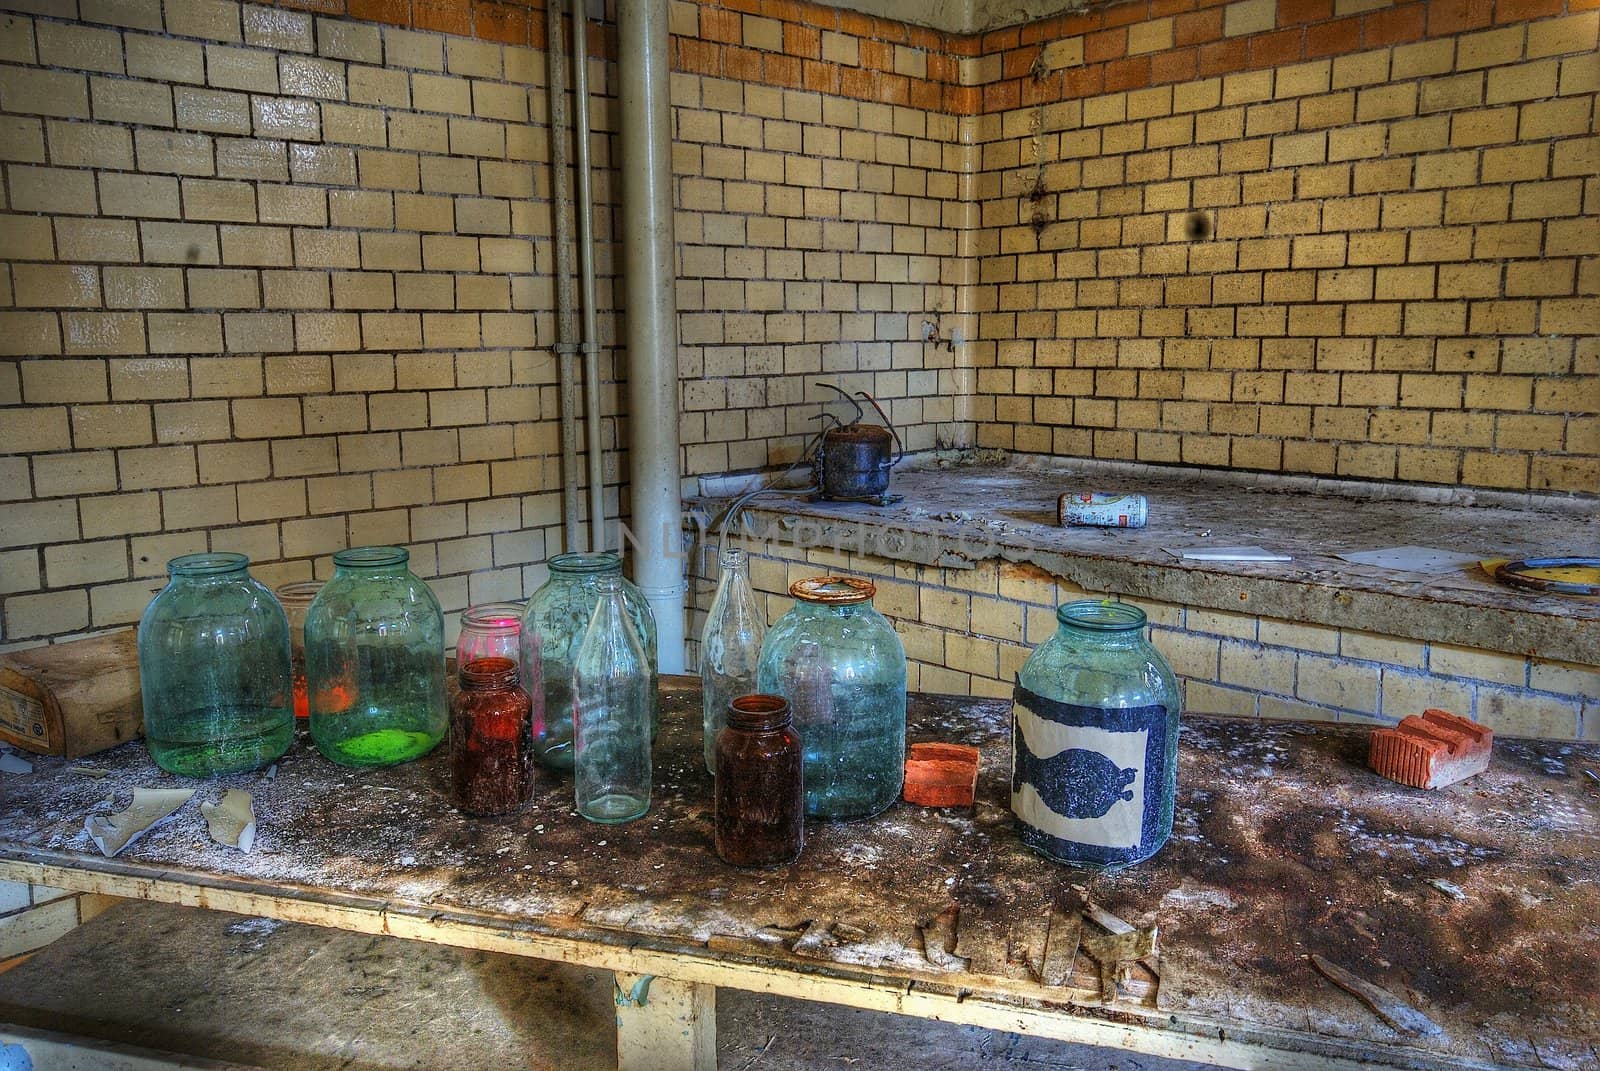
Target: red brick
point(962, 100)
point(891, 30)
point(1397, 26)
point(819, 15)
point(802, 41)
point(1126, 14)
point(1162, 8)
point(716, 24)
point(926, 95)
point(1222, 57)
point(858, 83)
point(1105, 45)
point(1000, 40)
point(1582, 5)
point(500, 22)
point(965, 45)
point(941, 775)
point(1179, 65)
point(322, 7)
point(1083, 81)
point(1040, 30)
point(1453, 16)
point(393, 12)
point(943, 68)
point(1523, 10)
point(894, 89)
point(820, 77)
point(748, 7)
point(1042, 91)
point(1300, 12)
point(1018, 62)
point(924, 38)
point(855, 24)
point(743, 64)
point(1275, 49)
point(1197, 27)
point(699, 57)
point(1432, 751)
point(1130, 73)
point(1002, 96)
point(876, 55)
point(782, 70)
point(445, 16)
point(1333, 38)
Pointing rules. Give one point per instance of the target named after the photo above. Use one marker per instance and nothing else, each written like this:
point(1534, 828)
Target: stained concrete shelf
point(958, 515)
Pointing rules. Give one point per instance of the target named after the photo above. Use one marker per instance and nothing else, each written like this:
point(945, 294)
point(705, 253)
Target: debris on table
point(1116, 953)
point(1390, 1008)
point(1097, 509)
point(1435, 750)
point(1230, 554)
point(150, 806)
point(232, 821)
point(1449, 888)
point(941, 775)
point(11, 762)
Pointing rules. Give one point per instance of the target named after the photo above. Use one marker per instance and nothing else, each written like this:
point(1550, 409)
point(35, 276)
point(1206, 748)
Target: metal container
point(1097, 509)
point(856, 460)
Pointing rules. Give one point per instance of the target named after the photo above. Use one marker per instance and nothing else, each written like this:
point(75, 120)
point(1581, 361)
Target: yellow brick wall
point(1400, 276)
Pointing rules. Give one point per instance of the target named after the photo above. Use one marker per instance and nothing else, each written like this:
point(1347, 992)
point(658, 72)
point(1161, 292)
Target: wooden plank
point(24, 931)
point(1061, 947)
point(665, 1025)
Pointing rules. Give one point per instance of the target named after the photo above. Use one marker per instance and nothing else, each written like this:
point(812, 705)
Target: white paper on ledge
point(1413, 559)
point(1229, 554)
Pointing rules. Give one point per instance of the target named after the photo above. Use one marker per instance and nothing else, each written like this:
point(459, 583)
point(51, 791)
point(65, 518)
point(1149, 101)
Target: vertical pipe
point(591, 340)
point(652, 318)
point(566, 320)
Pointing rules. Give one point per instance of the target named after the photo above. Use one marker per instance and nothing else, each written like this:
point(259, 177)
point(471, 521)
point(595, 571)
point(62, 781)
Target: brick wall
point(1399, 277)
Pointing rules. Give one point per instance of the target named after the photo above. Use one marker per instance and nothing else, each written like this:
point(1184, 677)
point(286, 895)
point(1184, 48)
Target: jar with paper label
point(1094, 740)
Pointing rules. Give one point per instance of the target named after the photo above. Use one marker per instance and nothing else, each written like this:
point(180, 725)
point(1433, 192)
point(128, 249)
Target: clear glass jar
point(1094, 740)
point(295, 598)
point(730, 646)
point(491, 747)
point(759, 801)
point(214, 669)
point(375, 667)
point(490, 630)
point(611, 702)
point(842, 668)
point(552, 628)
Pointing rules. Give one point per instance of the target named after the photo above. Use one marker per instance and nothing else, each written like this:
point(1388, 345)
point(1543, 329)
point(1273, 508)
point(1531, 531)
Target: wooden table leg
point(665, 1025)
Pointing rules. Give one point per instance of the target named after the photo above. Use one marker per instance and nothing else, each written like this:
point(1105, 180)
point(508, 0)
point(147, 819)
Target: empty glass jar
point(490, 630)
point(375, 661)
point(1095, 740)
point(843, 670)
point(295, 598)
point(613, 689)
point(730, 646)
point(214, 669)
point(552, 629)
point(491, 749)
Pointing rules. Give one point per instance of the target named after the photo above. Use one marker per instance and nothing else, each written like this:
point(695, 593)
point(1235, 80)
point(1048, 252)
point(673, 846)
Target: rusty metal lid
point(833, 590)
point(859, 433)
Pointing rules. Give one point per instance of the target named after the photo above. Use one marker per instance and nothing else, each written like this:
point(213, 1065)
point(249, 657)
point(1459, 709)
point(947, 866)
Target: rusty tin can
point(1100, 510)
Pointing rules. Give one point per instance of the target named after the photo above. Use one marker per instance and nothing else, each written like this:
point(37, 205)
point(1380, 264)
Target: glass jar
point(295, 598)
point(730, 646)
point(843, 670)
point(375, 661)
point(612, 689)
point(759, 799)
point(1094, 740)
point(490, 630)
point(491, 746)
point(214, 669)
point(552, 629)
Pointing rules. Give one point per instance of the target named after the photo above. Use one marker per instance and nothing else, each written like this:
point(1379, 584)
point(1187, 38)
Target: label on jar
point(1087, 781)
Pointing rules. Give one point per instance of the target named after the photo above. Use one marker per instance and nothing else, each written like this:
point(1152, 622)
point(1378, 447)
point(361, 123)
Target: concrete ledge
point(957, 516)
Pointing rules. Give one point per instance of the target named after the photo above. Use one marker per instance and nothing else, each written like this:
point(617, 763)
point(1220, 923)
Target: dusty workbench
point(1479, 905)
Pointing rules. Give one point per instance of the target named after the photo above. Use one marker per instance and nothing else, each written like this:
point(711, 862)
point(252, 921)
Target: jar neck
point(204, 568)
point(1101, 639)
point(734, 562)
point(575, 566)
point(371, 561)
point(494, 619)
point(825, 609)
point(490, 674)
point(759, 713)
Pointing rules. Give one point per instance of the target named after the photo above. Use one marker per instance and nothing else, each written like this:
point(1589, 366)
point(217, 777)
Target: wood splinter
point(1390, 1008)
point(1116, 953)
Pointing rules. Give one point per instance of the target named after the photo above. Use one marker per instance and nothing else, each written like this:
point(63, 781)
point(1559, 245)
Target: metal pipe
point(652, 318)
point(591, 332)
point(566, 318)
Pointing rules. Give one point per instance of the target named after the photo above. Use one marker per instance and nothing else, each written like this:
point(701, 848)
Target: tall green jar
point(553, 625)
point(1094, 740)
point(214, 669)
point(842, 668)
point(375, 661)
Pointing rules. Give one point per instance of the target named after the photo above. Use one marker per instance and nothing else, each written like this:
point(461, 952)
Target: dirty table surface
point(1478, 904)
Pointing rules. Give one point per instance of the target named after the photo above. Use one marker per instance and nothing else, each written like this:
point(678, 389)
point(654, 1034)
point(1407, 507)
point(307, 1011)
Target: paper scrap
point(232, 821)
point(11, 762)
point(1412, 559)
point(150, 807)
point(1230, 554)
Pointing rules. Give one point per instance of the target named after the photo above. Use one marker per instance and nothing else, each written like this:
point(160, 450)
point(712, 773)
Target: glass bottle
point(1094, 740)
point(553, 627)
point(490, 630)
point(730, 646)
point(295, 598)
point(611, 693)
point(759, 799)
point(491, 747)
point(375, 661)
point(214, 669)
point(843, 670)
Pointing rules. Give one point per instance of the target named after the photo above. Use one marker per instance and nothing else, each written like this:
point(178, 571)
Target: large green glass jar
point(553, 625)
point(375, 661)
point(842, 668)
point(214, 669)
point(1094, 740)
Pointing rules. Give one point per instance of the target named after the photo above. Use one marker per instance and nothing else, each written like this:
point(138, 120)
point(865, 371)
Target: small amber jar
point(491, 741)
point(759, 795)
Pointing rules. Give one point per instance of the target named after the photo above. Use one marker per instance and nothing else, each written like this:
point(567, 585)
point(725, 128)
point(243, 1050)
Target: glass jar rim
point(207, 563)
point(493, 617)
point(496, 670)
point(298, 590)
point(759, 710)
point(575, 561)
point(1101, 615)
point(833, 590)
point(370, 557)
point(731, 556)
